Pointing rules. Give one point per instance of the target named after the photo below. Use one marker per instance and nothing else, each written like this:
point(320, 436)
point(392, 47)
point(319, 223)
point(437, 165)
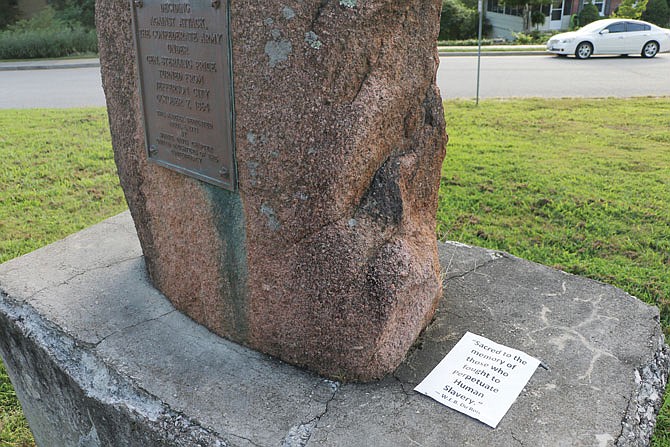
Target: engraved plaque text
point(184, 63)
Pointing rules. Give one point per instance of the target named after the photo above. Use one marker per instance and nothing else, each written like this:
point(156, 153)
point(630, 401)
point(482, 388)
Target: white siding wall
point(504, 25)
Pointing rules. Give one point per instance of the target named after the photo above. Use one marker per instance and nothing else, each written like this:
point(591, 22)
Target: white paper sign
point(479, 378)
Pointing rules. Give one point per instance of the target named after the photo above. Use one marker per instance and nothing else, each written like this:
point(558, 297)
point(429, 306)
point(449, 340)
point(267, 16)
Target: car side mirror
point(605, 31)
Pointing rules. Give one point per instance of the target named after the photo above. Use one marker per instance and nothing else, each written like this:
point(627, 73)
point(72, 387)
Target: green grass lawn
point(582, 185)
point(57, 176)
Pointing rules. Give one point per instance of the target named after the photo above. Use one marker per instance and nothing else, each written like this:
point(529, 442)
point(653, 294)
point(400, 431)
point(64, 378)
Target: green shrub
point(44, 19)
point(457, 21)
point(537, 18)
point(630, 9)
point(588, 14)
point(47, 43)
point(534, 37)
point(75, 12)
point(45, 36)
point(523, 38)
point(465, 43)
point(658, 12)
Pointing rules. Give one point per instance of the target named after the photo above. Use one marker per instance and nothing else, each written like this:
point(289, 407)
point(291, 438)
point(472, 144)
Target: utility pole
point(480, 8)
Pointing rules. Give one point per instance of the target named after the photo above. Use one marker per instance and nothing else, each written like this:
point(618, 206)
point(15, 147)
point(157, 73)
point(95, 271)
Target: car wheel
point(650, 49)
point(584, 50)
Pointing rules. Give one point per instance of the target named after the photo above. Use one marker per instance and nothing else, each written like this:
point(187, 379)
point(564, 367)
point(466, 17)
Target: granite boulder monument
point(281, 161)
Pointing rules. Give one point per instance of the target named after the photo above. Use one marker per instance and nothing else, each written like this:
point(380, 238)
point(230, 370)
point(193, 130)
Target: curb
point(46, 65)
point(493, 53)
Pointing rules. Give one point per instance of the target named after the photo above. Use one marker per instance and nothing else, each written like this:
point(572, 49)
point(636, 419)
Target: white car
point(612, 36)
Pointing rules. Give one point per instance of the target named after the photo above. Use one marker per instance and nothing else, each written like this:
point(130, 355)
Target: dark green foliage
point(64, 28)
point(466, 42)
point(657, 12)
point(574, 22)
point(457, 21)
point(46, 36)
point(47, 43)
point(630, 9)
point(9, 12)
point(75, 12)
point(45, 19)
point(537, 18)
point(534, 37)
point(588, 14)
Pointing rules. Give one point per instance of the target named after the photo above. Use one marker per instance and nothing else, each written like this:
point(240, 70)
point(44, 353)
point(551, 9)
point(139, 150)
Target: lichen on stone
point(312, 40)
point(278, 51)
point(273, 222)
point(288, 13)
point(348, 3)
point(252, 167)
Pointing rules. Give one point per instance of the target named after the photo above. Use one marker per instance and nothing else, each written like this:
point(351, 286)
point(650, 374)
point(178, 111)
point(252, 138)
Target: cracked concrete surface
point(82, 329)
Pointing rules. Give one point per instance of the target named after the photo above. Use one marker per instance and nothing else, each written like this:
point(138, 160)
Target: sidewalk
point(488, 50)
point(42, 64)
point(494, 50)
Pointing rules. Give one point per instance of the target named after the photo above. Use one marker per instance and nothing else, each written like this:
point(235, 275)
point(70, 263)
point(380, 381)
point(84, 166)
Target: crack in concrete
point(86, 370)
point(409, 393)
point(413, 441)
point(246, 439)
point(495, 256)
point(131, 326)
point(515, 438)
point(632, 400)
point(299, 435)
point(402, 384)
point(98, 379)
point(78, 274)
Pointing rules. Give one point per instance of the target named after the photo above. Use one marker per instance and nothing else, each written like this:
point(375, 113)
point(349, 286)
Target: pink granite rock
point(326, 254)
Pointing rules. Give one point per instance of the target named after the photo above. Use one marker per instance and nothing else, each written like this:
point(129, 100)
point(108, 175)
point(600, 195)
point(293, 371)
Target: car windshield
point(591, 27)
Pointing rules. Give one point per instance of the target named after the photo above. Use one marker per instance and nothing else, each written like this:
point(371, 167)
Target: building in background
point(507, 20)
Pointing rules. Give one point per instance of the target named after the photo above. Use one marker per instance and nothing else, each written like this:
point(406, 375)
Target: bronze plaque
point(185, 78)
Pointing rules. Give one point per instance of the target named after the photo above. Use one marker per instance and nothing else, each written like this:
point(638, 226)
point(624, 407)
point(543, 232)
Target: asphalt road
point(552, 76)
point(66, 87)
point(501, 76)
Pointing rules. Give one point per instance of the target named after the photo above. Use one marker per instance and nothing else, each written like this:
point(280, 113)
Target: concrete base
point(100, 358)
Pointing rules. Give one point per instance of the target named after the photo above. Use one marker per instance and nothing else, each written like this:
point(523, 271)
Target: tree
point(457, 21)
point(588, 14)
point(537, 18)
point(657, 12)
point(528, 7)
point(75, 12)
point(630, 9)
